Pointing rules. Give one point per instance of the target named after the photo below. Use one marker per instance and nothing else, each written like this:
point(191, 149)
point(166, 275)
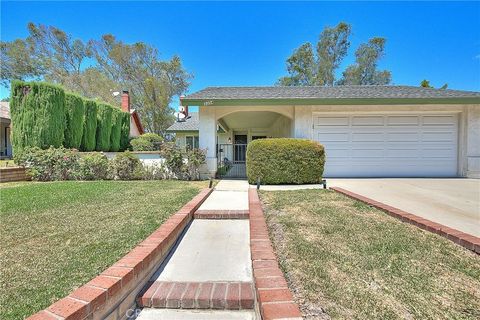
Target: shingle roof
point(191, 123)
point(336, 92)
point(4, 110)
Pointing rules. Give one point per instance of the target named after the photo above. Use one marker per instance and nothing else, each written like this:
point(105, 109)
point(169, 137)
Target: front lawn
point(346, 260)
point(56, 236)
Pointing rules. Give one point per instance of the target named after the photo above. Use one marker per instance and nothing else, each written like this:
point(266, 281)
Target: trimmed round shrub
point(146, 142)
point(104, 126)
point(89, 126)
point(74, 117)
point(285, 161)
point(38, 115)
point(125, 131)
point(126, 166)
point(117, 120)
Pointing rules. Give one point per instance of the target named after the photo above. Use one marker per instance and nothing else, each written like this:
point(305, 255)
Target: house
point(5, 127)
point(136, 127)
point(367, 131)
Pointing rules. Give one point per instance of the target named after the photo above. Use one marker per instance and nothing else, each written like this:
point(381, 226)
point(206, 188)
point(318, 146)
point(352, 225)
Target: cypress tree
point(74, 121)
point(38, 115)
point(117, 120)
point(104, 126)
point(89, 126)
point(125, 132)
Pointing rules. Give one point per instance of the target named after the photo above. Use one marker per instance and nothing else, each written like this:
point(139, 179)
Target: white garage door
point(388, 145)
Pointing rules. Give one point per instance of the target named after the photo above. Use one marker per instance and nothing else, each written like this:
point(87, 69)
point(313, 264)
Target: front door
point(240, 147)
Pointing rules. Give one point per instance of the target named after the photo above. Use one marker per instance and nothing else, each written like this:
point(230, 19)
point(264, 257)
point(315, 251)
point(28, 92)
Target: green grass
point(56, 236)
point(346, 260)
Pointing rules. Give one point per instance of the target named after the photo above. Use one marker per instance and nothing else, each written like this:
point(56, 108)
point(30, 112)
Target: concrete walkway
point(213, 253)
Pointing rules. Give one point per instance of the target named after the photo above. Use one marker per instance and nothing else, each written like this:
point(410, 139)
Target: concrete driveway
point(451, 202)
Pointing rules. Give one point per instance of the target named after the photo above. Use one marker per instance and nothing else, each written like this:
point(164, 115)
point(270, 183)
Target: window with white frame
point(191, 142)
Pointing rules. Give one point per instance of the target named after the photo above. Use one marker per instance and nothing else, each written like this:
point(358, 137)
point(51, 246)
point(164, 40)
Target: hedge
point(104, 126)
point(74, 117)
point(125, 131)
point(285, 161)
point(117, 120)
point(38, 115)
point(89, 126)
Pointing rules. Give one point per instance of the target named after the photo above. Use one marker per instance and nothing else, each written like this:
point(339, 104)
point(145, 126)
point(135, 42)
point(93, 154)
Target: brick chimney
point(125, 101)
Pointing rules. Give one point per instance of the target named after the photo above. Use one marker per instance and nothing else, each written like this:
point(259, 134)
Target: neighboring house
point(5, 128)
point(367, 131)
point(136, 127)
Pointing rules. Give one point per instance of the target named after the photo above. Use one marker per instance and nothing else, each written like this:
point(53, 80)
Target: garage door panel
point(403, 136)
point(402, 120)
point(446, 120)
point(368, 121)
point(332, 121)
point(389, 145)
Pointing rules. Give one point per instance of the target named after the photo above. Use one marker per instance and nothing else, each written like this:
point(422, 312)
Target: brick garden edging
point(10, 174)
point(465, 240)
point(221, 214)
point(233, 295)
point(113, 292)
point(274, 297)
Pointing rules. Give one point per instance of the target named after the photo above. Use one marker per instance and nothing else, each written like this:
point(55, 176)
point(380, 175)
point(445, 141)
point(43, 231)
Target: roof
point(325, 95)
point(136, 120)
point(191, 123)
point(4, 110)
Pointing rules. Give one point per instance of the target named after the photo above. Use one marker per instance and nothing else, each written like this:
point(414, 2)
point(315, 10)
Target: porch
point(237, 129)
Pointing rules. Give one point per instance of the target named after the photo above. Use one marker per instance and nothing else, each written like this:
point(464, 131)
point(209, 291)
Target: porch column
point(208, 139)
point(302, 126)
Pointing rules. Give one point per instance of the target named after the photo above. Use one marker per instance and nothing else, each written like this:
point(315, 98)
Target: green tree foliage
point(38, 113)
point(104, 126)
point(89, 126)
point(74, 118)
point(115, 135)
point(125, 131)
point(52, 54)
point(305, 68)
point(425, 84)
point(364, 71)
point(302, 67)
point(332, 47)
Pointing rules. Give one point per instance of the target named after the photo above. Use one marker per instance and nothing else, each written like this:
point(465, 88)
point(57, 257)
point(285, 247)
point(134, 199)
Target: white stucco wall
point(133, 128)
point(302, 123)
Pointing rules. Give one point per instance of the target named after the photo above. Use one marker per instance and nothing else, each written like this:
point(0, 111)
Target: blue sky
point(229, 43)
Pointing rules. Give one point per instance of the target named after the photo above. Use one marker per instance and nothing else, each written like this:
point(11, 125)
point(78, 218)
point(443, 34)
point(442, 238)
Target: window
point(191, 142)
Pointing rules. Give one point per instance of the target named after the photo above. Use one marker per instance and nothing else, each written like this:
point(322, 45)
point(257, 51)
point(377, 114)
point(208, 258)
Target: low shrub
point(126, 166)
point(195, 158)
point(49, 164)
point(285, 161)
point(93, 166)
point(147, 142)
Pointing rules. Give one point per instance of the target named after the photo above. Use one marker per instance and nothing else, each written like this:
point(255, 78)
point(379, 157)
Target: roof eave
point(328, 101)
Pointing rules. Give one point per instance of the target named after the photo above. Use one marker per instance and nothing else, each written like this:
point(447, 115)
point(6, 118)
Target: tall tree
point(307, 69)
point(425, 84)
point(53, 55)
point(301, 66)
point(332, 48)
point(153, 83)
point(364, 71)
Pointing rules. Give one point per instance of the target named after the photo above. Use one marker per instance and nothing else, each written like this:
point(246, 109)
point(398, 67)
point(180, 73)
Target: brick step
point(221, 214)
point(198, 295)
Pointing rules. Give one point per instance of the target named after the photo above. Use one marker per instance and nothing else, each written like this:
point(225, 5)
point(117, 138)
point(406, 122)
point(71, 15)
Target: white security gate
point(406, 145)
